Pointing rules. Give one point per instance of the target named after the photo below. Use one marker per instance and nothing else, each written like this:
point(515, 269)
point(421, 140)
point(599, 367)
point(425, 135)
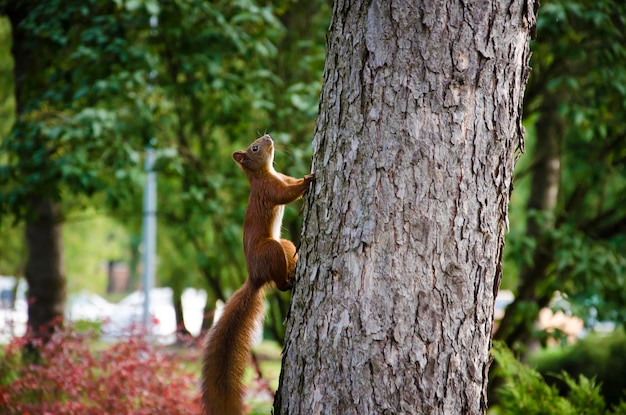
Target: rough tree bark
point(420, 117)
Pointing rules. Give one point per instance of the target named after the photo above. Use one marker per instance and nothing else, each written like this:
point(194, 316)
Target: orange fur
point(226, 354)
point(269, 259)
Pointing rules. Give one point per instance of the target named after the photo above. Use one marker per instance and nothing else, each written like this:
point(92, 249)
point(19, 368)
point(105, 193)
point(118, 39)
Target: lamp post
point(149, 217)
point(149, 235)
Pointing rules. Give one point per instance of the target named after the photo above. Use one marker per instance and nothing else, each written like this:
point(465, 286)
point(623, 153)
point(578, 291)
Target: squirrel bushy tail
point(227, 351)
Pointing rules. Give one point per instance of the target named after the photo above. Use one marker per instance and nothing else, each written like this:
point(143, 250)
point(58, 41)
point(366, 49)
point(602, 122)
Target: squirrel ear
point(239, 156)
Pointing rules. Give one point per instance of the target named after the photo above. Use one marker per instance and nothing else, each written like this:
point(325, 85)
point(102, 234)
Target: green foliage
point(78, 106)
point(221, 85)
point(11, 241)
point(602, 357)
point(579, 68)
point(525, 392)
point(90, 240)
point(194, 79)
point(584, 394)
point(11, 246)
point(7, 101)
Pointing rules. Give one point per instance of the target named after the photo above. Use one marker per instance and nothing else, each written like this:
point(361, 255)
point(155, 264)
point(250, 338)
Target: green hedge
point(525, 392)
point(602, 357)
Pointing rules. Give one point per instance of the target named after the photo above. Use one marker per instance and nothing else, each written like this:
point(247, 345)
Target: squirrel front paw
point(285, 285)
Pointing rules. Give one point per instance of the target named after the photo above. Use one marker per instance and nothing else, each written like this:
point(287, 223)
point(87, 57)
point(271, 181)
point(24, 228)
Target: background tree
point(298, 68)
point(11, 247)
point(220, 76)
point(575, 179)
point(69, 58)
point(198, 85)
point(212, 80)
point(420, 116)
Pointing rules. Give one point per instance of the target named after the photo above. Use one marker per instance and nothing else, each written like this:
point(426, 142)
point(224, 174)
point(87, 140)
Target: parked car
point(13, 308)
point(128, 317)
point(121, 319)
point(87, 306)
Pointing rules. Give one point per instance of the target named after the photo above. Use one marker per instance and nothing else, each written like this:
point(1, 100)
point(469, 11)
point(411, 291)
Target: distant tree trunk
point(534, 290)
point(135, 258)
point(209, 314)
point(181, 328)
point(517, 324)
point(400, 261)
point(214, 293)
point(177, 282)
point(44, 269)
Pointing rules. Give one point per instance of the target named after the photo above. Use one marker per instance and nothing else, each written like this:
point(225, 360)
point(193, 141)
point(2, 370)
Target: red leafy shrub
point(129, 377)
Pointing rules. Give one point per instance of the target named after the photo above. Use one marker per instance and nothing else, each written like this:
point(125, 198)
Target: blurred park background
point(86, 86)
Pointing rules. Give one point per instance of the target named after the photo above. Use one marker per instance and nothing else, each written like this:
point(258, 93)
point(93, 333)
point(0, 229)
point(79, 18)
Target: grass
point(269, 356)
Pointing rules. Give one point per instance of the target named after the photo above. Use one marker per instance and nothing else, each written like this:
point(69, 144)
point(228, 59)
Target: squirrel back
point(269, 259)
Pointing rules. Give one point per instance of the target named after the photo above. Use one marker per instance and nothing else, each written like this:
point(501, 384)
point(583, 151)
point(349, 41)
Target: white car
point(86, 306)
point(13, 309)
point(122, 319)
point(128, 317)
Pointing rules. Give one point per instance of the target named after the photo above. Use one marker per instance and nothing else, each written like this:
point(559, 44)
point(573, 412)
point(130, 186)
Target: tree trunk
point(420, 117)
point(177, 282)
point(181, 329)
point(44, 269)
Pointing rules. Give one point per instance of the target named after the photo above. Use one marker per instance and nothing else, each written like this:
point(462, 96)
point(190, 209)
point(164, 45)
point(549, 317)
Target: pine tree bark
point(420, 117)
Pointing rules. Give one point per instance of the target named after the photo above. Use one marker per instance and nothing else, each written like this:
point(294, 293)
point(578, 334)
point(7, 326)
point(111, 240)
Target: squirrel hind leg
point(275, 263)
point(292, 258)
point(285, 280)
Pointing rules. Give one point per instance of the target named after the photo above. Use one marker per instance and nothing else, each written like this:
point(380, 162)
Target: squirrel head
point(258, 156)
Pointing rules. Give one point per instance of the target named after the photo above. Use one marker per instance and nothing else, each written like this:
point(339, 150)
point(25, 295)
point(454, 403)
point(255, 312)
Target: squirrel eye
point(255, 148)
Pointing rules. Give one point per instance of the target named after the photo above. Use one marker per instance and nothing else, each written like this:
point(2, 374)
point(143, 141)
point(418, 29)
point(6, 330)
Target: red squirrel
point(269, 259)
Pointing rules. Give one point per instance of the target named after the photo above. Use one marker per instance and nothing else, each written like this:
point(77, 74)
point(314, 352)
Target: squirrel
point(269, 259)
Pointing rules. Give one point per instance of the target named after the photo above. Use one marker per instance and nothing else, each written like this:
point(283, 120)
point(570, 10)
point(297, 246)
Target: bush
point(129, 377)
point(525, 391)
point(602, 357)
